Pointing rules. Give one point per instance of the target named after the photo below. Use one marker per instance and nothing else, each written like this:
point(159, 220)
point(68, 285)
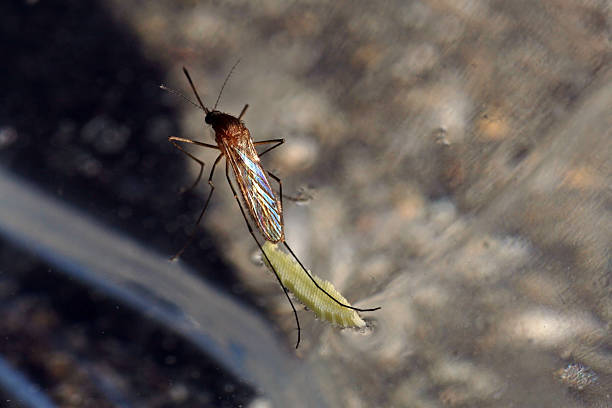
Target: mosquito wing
point(257, 193)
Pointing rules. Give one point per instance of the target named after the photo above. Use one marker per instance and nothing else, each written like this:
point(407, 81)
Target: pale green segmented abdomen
point(296, 280)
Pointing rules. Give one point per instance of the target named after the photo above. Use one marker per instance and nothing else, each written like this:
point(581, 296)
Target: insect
point(303, 288)
point(234, 142)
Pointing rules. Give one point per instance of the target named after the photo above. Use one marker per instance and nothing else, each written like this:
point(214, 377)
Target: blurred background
point(458, 159)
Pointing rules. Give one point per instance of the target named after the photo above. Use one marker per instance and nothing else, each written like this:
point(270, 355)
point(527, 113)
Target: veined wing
point(259, 197)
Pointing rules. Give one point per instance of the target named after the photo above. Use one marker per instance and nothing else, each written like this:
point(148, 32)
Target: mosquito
point(234, 142)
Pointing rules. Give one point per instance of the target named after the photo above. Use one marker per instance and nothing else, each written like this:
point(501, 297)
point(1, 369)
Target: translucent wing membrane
point(258, 194)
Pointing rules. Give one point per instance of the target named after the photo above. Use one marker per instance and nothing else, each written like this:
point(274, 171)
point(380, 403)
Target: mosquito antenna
point(204, 108)
point(175, 92)
point(225, 82)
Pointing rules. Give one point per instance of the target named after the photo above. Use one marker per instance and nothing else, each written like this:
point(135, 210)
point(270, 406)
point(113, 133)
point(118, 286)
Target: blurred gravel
point(459, 152)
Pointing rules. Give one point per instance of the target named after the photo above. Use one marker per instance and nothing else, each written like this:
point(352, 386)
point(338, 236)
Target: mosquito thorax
point(222, 122)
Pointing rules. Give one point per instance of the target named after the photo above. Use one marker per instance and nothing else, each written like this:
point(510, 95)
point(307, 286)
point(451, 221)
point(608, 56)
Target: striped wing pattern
point(259, 196)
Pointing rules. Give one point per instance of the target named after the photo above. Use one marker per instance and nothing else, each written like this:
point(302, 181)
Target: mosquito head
point(212, 116)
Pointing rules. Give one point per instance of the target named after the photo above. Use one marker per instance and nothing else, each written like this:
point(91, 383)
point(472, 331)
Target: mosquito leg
point(180, 139)
point(304, 198)
point(297, 320)
point(277, 141)
point(200, 162)
point(280, 187)
point(195, 228)
point(173, 140)
point(243, 111)
point(323, 290)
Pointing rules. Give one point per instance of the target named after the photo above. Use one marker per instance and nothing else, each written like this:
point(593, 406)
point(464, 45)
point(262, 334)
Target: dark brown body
point(235, 142)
